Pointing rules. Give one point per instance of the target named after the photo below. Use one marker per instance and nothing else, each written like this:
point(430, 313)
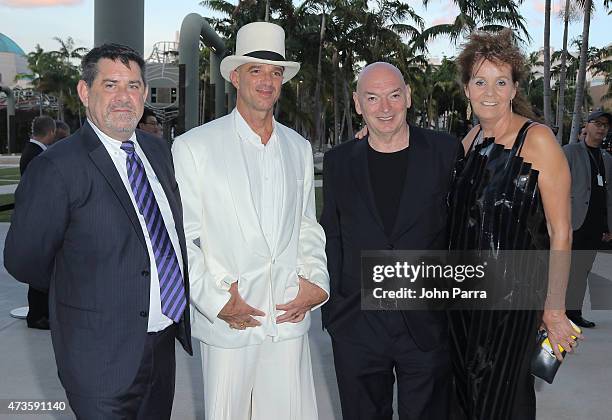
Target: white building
point(13, 61)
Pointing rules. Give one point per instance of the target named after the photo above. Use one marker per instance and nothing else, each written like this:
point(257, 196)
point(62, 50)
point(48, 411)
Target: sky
point(31, 22)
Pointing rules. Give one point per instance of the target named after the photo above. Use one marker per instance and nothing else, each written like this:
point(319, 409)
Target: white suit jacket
point(220, 216)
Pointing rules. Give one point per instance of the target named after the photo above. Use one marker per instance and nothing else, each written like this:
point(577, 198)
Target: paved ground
point(581, 390)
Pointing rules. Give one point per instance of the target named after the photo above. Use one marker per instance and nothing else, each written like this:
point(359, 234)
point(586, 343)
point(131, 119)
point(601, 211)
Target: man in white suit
point(257, 264)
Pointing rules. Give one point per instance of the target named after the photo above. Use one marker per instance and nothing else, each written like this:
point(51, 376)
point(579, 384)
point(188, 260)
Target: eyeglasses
point(600, 124)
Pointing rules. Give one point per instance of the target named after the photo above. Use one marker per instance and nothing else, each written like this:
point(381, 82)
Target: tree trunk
point(450, 120)
point(317, 99)
point(60, 106)
point(580, 82)
point(562, 75)
point(547, 93)
point(347, 69)
point(347, 109)
point(342, 125)
point(336, 98)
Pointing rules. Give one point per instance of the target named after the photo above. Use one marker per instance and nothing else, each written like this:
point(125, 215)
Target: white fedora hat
point(260, 42)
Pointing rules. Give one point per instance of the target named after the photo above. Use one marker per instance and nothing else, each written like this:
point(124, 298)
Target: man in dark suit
point(386, 192)
point(98, 222)
point(43, 135)
point(62, 130)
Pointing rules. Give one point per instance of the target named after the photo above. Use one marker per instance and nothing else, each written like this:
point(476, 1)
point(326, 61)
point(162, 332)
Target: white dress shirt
point(42, 145)
point(265, 170)
point(157, 320)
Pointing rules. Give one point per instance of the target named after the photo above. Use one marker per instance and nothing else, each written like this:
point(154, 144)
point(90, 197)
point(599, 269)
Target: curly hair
point(498, 48)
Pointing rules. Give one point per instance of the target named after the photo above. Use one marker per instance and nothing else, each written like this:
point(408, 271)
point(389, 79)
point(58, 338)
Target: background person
point(511, 164)
point(62, 130)
point(148, 122)
point(43, 135)
point(591, 172)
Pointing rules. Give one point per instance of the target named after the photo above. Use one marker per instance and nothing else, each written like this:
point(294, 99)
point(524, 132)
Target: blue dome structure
point(7, 45)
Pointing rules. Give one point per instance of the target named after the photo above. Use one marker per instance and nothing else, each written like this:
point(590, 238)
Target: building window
point(153, 95)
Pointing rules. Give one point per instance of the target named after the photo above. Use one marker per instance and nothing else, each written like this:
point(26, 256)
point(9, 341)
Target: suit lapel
point(240, 190)
point(416, 185)
point(361, 177)
point(586, 161)
point(104, 163)
point(288, 157)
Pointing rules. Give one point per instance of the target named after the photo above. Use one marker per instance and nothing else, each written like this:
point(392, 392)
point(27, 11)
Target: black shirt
point(596, 220)
point(387, 178)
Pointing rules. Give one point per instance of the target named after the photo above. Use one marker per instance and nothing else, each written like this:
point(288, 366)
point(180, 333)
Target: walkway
point(581, 390)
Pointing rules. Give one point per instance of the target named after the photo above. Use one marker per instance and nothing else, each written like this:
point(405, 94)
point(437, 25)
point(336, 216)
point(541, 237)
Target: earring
point(511, 105)
point(469, 110)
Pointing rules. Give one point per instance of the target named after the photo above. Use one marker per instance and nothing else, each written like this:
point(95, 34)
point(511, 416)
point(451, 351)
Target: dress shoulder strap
point(474, 140)
point(520, 138)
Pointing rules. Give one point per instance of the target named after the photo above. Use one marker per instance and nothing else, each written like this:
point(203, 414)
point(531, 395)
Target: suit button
point(390, 246)
point(144, 314)
point(586, 202)
point(145, 273)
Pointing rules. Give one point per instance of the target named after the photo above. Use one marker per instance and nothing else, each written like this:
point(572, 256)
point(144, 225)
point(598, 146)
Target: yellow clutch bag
point(544, 364)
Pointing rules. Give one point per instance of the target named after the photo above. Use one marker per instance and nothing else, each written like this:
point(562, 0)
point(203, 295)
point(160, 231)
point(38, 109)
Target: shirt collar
point(246, 133)
point(42, 145)
point(109, 141)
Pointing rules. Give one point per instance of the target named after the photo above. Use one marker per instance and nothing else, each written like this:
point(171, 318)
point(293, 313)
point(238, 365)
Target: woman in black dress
point(513, 193)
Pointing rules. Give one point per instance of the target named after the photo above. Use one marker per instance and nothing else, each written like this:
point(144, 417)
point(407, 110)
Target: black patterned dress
point(496, 206)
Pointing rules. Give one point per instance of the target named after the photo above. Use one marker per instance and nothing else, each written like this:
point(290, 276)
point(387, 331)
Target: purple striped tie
point(171, 288)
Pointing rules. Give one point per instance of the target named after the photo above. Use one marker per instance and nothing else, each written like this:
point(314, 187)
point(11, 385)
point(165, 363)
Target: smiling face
point(382, 98)
point(115, 100)
point(258, 86)
point(490, 89)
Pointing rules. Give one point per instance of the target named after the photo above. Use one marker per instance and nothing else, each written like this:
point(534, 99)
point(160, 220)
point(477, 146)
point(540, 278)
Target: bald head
point(382, 99)
point(379, 71)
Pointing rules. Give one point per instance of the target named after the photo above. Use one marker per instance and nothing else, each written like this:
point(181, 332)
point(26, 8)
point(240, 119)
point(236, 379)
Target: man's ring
point(242, 324)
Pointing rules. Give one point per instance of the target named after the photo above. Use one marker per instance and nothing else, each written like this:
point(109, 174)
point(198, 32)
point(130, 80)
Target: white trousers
point(272, 380)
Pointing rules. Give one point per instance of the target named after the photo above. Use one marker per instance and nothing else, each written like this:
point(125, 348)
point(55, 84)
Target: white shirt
point(265, 170)
point(42, 145)
point(157, 320)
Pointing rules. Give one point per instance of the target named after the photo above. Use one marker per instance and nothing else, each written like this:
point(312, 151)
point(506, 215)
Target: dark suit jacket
point(75, 232)
point(352, 224)
point(30, 151)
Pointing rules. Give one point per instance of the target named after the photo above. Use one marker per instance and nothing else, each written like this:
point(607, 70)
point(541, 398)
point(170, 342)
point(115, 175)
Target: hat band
point(265, 55)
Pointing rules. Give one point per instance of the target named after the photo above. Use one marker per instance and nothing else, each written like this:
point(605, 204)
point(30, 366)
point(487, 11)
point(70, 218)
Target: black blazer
point(75, 232)
point(352, 224)
point(30, 151)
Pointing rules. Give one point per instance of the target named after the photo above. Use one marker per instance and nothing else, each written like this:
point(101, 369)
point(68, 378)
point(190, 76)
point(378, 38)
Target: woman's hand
point(560, 331)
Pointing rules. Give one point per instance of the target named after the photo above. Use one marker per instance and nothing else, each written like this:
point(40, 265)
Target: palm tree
point(67, 73)
point(483, 15)
point(547, 110)
point(54, 74)
point(533, 62)
point(601, 64)
point(562, 74)
point(580, 80)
